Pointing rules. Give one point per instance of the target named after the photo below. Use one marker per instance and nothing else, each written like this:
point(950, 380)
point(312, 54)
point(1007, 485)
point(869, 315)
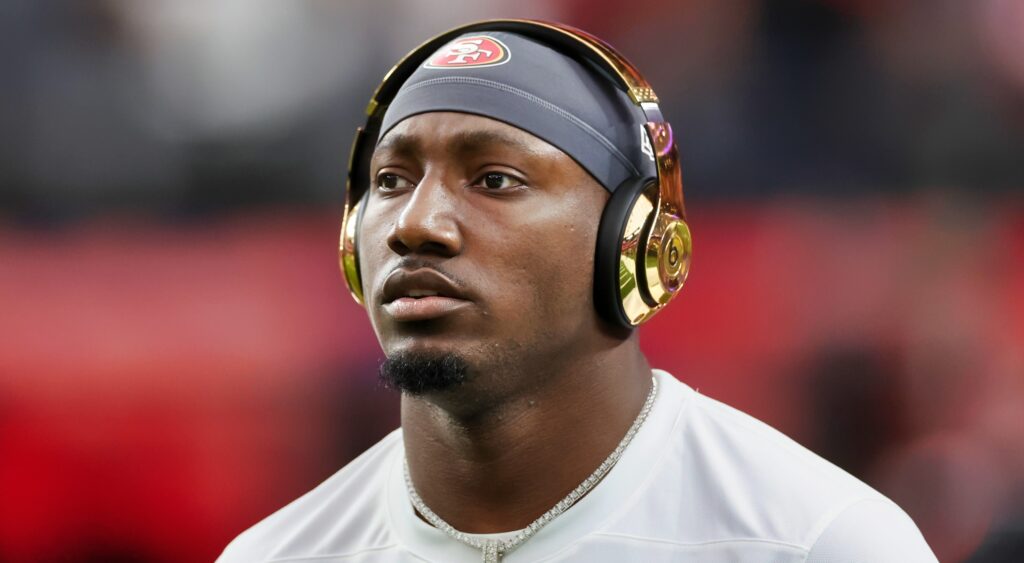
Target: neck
point(498, 467)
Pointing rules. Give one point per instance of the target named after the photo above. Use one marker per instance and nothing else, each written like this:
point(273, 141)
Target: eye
point(388, 182)
point(498, 181)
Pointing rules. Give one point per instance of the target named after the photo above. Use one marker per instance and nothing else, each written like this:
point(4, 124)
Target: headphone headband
point(570, 39)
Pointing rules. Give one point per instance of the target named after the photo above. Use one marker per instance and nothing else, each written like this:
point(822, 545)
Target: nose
point(427, 224)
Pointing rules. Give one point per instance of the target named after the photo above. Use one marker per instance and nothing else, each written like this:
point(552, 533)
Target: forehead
point(462, 134)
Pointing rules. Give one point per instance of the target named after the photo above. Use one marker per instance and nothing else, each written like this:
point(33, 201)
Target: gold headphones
point(643, 242)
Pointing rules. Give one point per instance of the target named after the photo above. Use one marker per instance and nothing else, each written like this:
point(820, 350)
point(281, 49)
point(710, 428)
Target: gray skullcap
point(539, 90)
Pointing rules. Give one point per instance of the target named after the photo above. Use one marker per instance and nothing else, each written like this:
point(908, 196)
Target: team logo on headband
point(478, 50)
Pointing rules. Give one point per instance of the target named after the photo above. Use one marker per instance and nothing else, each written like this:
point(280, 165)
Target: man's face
point(478, 240)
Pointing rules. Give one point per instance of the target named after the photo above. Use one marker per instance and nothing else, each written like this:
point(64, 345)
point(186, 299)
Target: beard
point(418, 373)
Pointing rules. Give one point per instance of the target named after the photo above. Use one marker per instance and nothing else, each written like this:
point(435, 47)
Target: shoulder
point(765, 484)
point(344, 514)
point(739, 452)
point(734, 481)
point(870, 531)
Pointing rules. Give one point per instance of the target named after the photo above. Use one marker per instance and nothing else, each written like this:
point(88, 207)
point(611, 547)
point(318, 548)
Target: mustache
point(412, 263)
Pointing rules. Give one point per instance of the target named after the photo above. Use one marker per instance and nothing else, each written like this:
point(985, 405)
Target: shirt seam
point(831, 516)
point(334, 555)
point(794, 546)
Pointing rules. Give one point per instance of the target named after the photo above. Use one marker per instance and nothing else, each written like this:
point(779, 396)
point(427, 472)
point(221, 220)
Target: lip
point(400, 304)
point(407, 309)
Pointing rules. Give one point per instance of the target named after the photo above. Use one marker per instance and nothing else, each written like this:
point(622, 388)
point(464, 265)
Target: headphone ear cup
point(618, 282)
point(666, 261)
point(348, 249)
point(678, 250)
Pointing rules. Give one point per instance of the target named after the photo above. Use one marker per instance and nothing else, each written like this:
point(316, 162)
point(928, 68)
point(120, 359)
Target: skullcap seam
point(593, 133)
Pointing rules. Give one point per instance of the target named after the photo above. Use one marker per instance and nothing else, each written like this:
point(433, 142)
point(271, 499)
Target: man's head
point(499, 224)
point(495, 162)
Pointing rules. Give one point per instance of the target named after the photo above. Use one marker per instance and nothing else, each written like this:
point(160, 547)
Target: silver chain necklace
point(494, 550)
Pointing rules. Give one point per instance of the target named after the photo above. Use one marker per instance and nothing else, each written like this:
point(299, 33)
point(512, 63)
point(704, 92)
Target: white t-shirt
point(701, 482)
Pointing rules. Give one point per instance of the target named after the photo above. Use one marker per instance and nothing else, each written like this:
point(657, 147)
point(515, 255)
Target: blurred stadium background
point(179, 356)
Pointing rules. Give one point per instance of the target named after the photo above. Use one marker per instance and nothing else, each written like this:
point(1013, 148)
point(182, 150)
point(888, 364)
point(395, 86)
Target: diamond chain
point(494, 550)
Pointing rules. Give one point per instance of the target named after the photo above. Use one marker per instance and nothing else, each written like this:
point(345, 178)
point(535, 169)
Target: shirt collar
point(620, 489)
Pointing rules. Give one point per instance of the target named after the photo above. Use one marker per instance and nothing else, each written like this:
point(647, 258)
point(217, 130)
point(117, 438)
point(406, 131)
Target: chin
point(424, 372)
point(438, 336)
point(433, 345)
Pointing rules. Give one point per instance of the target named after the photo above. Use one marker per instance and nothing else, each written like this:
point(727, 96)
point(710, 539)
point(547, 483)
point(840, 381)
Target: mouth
point(420, 295)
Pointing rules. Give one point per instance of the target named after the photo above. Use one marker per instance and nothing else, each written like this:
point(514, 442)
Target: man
point(533, 429)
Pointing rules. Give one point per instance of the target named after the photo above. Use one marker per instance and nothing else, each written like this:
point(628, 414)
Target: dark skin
point(510, 222)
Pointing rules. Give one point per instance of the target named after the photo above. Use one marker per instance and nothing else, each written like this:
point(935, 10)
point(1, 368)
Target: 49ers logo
point(479, 50)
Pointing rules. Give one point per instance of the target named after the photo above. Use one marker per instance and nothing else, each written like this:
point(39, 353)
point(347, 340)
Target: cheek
point(571, 266)
point(373, 255)
point(550, 271)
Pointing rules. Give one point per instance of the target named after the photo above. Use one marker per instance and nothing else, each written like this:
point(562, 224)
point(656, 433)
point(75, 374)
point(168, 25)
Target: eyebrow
point(464, 143)
point(399, 144)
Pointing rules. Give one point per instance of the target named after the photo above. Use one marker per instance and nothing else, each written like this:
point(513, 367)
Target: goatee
point(420, 373)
